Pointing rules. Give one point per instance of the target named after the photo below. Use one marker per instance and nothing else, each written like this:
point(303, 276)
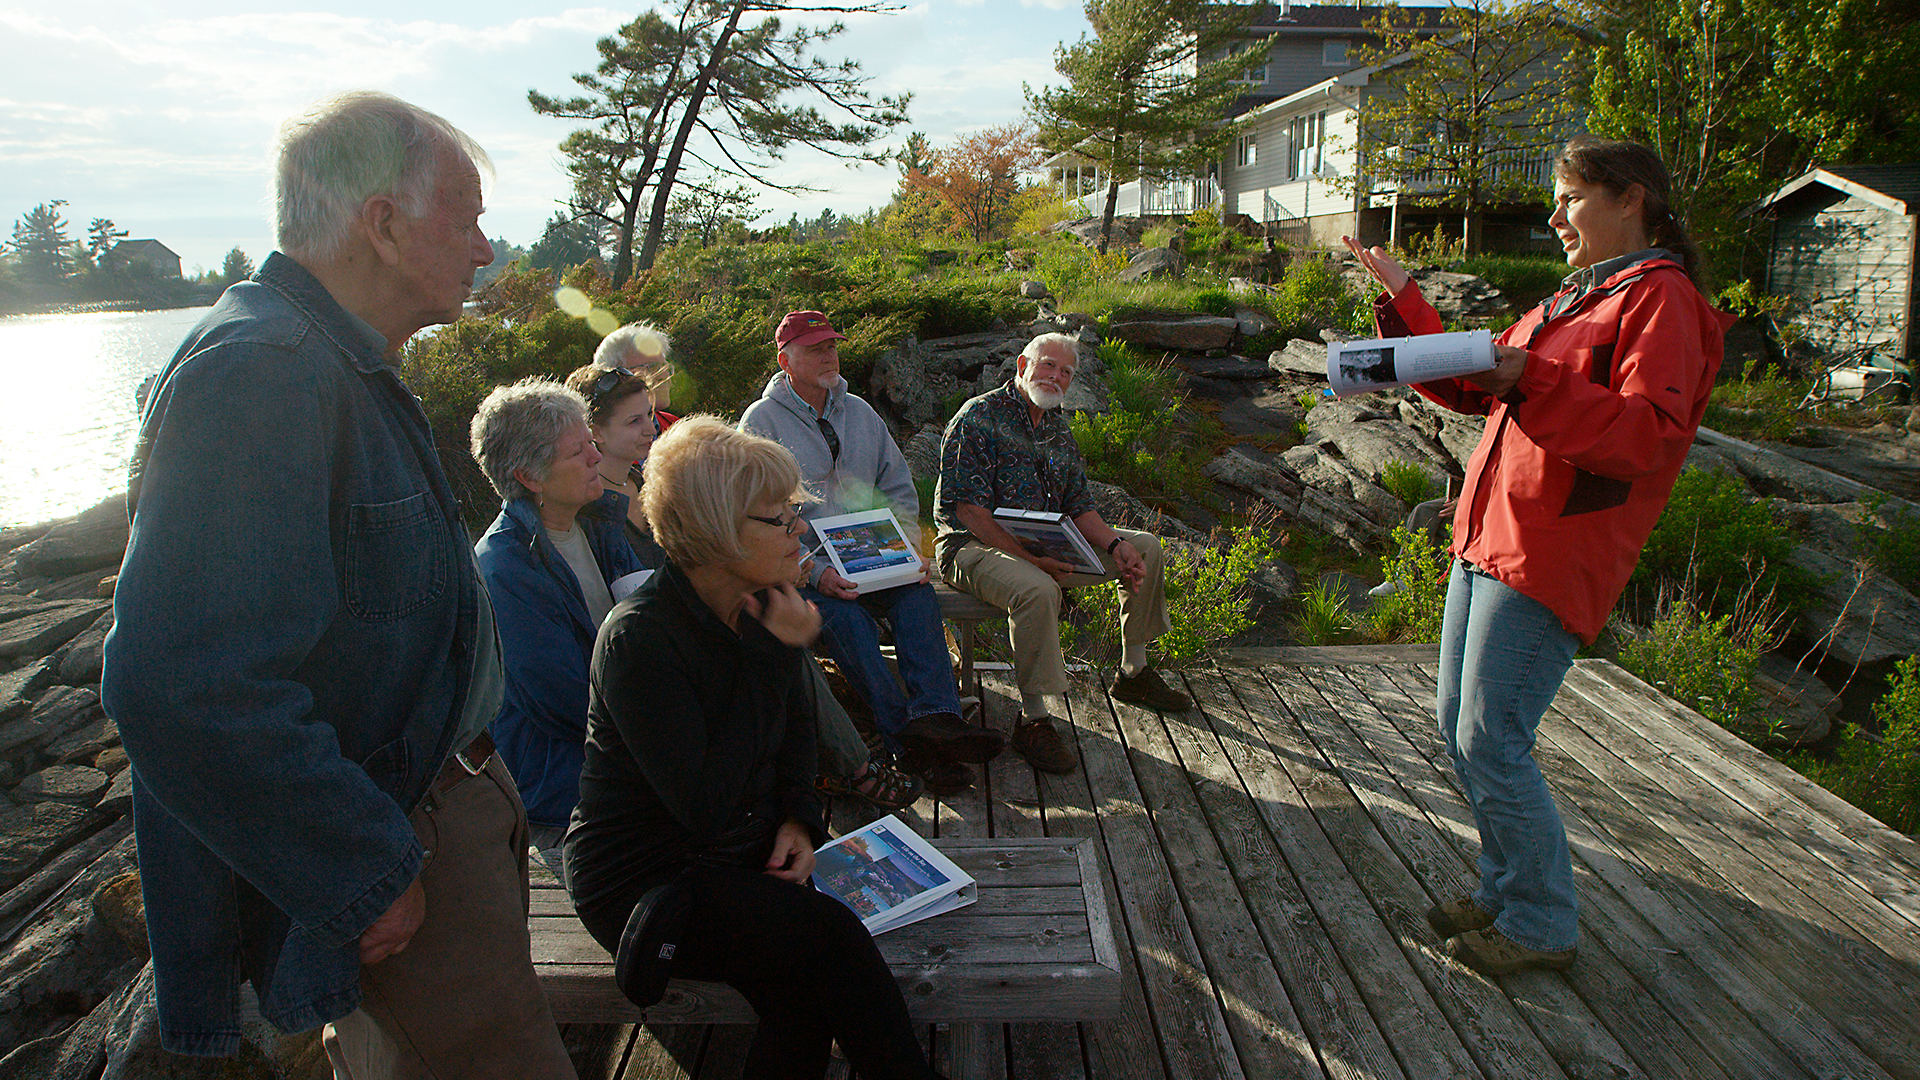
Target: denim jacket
point(546, 640)
point(294, 633)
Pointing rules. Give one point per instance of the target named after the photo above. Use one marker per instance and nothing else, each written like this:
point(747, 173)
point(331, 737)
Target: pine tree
point(40, 243)
point(102, 234)
point(1148, 94)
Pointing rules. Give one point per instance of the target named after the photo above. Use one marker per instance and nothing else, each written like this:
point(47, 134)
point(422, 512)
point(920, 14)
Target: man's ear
point(380, 222)
point(781, 359)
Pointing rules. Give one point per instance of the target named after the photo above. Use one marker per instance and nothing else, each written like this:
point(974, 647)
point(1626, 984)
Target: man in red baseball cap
point(848, 456)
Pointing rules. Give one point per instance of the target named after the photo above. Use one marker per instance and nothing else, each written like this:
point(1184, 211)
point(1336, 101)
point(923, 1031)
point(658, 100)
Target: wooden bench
point(965, 612)
point(1037, 945)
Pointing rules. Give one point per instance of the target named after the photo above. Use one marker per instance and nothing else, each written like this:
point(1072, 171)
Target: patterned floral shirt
point(995, 455)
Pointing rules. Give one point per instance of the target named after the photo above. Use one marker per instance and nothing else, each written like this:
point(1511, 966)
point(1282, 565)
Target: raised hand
point(786, 614)
point(1388, 273)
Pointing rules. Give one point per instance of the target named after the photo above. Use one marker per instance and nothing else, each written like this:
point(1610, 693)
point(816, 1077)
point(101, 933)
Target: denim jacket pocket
point(396, 558)
point(389, 767)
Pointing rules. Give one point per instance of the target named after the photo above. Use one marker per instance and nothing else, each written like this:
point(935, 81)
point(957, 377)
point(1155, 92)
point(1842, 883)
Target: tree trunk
point(629, 213)
point(690, 111)
point(1106, 215)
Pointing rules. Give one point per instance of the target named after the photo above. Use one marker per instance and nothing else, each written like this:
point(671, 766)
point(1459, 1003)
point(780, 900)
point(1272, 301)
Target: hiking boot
point(1149, 690)
point(946, 735)
point(1036, 740)
point(1490, 952)
point(885, 786)
point(943, 775)
point(1458, 916)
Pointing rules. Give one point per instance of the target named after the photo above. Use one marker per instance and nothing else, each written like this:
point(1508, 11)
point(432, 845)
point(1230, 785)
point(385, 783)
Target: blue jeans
point(919, 646)
point(1502, 658)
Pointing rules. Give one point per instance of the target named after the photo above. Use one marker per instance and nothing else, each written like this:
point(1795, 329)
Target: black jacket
point(690, 729)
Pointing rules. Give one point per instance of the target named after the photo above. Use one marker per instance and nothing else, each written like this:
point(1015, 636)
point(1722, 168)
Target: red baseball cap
point(802, 328)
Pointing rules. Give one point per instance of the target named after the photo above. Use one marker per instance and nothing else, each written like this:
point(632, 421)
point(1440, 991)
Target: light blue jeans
point(1502, 658)
point(919, 646)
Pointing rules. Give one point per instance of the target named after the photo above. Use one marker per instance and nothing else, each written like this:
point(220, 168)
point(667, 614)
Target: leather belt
point(463, 764)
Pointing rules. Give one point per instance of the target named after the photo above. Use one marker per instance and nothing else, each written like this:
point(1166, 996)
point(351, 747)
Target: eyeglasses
point(791, 523)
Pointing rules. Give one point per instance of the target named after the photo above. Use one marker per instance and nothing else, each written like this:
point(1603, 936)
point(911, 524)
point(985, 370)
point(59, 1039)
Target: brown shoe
point(1036, 740)
point(1458, 916)
point(943, 775)
point(1148, 690)
point(1491, 952)
point(946, 735)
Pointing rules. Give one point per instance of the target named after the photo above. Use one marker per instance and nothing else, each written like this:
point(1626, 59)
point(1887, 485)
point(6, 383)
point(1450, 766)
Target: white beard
point(1042, 398)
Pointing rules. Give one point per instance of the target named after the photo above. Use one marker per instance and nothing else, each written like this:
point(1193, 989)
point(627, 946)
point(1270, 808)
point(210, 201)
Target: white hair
point(634, 339)
point(516, 428)
point(345, 149)
point(1046, 341)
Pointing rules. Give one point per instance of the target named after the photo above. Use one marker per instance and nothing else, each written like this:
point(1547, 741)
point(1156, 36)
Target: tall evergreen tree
point(40, 243)
point(1148, 94)
point(236, 267)
point(102, 234)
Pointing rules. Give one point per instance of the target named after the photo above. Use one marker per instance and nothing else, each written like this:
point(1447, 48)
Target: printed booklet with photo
point(1357, 367)
point(1053, 535)
point(869, 549)
point(890, 877)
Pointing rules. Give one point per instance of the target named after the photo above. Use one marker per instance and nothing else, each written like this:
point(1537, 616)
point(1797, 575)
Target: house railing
point(1524, 166)
point(1182, 195)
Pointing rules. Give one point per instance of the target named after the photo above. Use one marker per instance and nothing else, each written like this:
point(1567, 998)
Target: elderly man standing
point(303, 662)
point(848, 456)
point(1012, 447)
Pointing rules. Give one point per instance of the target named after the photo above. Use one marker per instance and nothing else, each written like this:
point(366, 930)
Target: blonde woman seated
point(700, 764)
point(623, 412)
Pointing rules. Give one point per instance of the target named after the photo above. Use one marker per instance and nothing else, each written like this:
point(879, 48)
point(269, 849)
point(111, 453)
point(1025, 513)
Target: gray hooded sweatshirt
point(870, 472)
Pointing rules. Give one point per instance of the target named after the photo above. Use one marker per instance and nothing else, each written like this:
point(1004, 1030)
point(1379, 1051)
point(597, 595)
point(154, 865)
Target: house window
point(1247, 151)
point(1333, 52)
point(1305, 134)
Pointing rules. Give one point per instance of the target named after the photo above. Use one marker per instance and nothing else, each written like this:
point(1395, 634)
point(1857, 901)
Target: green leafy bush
point(1068, 267)
point(1703, 661)
point(1312, 298)
point(1419, 566)
point(1213, 302)
point(1879, 774)
point(1209, 594)
point(1407, 481)
point(1891, 539)
point(1717, 543)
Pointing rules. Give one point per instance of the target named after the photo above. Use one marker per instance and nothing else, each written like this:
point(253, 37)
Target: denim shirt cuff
point(353, 920)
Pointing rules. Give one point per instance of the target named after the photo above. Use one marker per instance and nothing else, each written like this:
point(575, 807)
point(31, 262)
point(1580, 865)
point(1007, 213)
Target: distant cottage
point(1843, 249)
point(154, 256)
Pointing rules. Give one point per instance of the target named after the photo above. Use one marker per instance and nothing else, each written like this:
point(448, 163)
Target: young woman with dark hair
point(1590, 411)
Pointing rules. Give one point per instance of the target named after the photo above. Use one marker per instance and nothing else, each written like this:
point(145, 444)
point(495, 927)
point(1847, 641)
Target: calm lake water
point(67, 414)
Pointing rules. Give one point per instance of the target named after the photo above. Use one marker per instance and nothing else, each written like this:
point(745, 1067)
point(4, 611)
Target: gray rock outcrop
point(1183, 333)
point(1153, 263)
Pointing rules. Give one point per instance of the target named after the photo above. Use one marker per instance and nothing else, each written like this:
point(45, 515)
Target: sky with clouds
point(164, 122)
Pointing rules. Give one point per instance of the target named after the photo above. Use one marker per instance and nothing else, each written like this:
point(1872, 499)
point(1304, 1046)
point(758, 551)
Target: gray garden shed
point(1843, 248)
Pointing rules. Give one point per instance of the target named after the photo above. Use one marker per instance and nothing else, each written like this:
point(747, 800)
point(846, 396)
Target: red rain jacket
point(1579, 458)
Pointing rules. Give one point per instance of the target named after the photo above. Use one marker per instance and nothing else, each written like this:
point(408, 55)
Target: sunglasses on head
point(653, 375)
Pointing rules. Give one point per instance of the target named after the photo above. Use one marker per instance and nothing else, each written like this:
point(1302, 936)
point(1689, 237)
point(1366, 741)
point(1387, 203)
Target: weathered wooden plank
point(1881, 861)
point(1766, 922)
point(1361, 743)
point(1315, 821)
point(1298, 655)
point(1259, 1012)
point(1341, 1033)
point(1187, 1021)
point(1035, 900)
point(1020, 810)
point(1661, 1045)
point(664, 1053)
point(598, 1051)
point(978, 1051)
point(1680, 943)
point(952, 939)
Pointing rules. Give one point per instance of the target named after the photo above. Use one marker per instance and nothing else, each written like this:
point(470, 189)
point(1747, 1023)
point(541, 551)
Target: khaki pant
point(1031, 599)
point(461, 1001)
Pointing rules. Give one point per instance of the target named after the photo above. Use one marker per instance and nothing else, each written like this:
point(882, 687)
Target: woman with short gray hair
point(549, 560)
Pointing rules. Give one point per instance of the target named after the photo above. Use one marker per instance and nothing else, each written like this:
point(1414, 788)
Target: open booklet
point(1357, 367)
point(889, 876)
point(1053, 535)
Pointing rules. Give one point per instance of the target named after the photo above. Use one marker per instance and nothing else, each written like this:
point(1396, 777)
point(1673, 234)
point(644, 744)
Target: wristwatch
point(1116, 543)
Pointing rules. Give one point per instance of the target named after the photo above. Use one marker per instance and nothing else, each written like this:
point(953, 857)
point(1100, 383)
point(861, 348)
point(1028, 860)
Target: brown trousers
point(461, 1001)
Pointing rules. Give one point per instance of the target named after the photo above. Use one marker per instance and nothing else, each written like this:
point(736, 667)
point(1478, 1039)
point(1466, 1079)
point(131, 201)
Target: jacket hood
point(779, 390)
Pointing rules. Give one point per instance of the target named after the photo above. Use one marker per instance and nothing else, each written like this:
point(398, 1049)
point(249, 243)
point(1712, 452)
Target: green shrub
point(1209, 593)
point(1213, 302)
point(1067, 267)
point(1717, 543)
point(1879, 774)
point(1893, 542)
point(1312, 298)
point(1323, 618)
point(1407, 481)
point(1412, 612)
point(1703, 661)
point(1762, 404)
point(1523, 279)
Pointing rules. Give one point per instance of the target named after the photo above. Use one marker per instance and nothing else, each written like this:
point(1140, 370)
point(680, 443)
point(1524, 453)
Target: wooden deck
point(1269, 855)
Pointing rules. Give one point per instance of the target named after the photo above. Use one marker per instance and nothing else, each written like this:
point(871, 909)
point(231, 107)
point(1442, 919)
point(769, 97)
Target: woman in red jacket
point(1590, 411)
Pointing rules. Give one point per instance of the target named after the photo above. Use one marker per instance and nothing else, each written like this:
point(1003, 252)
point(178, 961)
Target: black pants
point(808, 968)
